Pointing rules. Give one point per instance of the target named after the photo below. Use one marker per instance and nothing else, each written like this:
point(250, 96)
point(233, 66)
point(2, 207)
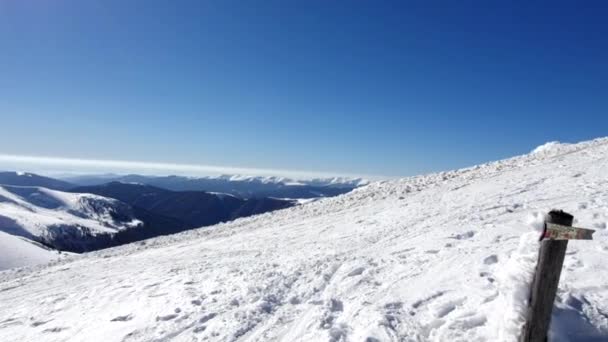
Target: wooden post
point(546, 279)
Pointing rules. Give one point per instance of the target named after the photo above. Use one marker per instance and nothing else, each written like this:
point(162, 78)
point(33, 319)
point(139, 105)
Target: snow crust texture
point(441, 257)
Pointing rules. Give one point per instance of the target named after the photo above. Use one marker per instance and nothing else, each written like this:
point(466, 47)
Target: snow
point(221, 195)
point(516, 280)
point(19, 252)
point(331, 181)
point(66, 221)
point(440, 257)
point(31, 210)
point(550, 147)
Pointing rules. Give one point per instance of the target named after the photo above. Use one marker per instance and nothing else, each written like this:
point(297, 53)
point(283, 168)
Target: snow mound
point(550, 147)
point(515, 281)
point(438, 257)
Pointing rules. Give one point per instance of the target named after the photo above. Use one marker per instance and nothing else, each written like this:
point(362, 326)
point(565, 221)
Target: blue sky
point(390, 88)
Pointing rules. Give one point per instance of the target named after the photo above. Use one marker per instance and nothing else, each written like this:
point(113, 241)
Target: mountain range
point(31, 179)
point(64, 221)
point(66, 217)
point(240, 186)
point(447, 256)
point(193, 208)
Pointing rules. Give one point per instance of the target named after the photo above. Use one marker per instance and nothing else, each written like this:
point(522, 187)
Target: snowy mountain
point(64, 221)
point(30, 179)
point(96, 217)
point(440, 257)
point(241, 186)
point(193, 208)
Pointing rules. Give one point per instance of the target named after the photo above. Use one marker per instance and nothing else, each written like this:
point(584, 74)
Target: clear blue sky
point(361, 87)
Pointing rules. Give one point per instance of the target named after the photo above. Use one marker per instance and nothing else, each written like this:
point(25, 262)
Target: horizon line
point(92, 166)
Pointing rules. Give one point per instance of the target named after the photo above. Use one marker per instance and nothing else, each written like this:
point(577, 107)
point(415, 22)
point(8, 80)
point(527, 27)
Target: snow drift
point(427, 258)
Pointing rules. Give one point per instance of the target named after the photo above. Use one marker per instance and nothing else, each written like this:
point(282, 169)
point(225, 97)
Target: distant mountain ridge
point(241, 186)
point(96, 217)
point(64, 221)
point(38, 211)
point(30, 179)
point(193, 208)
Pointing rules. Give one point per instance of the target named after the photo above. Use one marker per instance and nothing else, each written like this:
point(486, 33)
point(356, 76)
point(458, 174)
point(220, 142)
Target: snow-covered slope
point(434, 257)
point(16, 251)
point(60, 219)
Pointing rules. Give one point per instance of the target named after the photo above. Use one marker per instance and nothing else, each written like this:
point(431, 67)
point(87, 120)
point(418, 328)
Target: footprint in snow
point(207, 317)
point(492, 259)
point(337, 334)
point(336, 305)
point(392, 314)
point(357, 271)
point(448, 307)
point(334, 309)
point(9, 322)
point(166, 317)
point(39, 323)
point(199, 329)
point(122, 318)
point(427, 300)
point(488, 276)
point(154, 295)
point(463, 236)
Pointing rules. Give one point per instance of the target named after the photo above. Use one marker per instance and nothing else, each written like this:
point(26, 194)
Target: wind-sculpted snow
point(428, 258)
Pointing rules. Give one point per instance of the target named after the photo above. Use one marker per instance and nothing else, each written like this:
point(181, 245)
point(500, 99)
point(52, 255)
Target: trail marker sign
point(553, 243)
point(554, 231)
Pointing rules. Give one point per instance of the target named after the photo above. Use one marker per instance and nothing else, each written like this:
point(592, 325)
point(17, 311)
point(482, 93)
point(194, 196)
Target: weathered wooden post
point(558, 230)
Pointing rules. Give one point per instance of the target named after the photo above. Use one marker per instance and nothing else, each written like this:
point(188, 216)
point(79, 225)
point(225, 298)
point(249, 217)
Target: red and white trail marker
point(555, 231)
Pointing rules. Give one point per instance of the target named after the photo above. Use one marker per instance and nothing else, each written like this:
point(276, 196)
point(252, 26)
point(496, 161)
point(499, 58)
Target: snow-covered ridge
point(50, 216)
point(333, 181)
point(551, 147)
point(276, 180)
point(426, 258)
point(239, 186)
